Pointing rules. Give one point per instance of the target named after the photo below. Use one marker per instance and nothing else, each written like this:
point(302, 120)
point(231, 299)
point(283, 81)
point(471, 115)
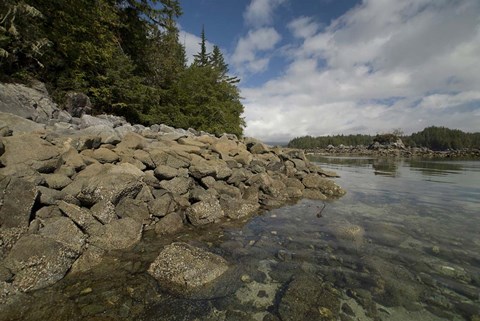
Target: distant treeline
point(435, 138)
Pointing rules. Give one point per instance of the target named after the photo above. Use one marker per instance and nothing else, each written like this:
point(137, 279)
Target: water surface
point(402, 244)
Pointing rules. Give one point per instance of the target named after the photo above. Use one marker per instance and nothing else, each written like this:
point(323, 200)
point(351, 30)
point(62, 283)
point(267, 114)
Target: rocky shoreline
point(391, 150)
point(76, 186)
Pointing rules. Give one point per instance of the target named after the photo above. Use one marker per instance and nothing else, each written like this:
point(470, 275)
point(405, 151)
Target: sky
point(326, 67)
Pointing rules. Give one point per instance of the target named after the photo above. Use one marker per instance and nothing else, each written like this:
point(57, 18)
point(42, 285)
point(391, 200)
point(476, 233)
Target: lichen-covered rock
point(38, 261)
point(17, 197)
point(57, 181)
point(204, 212)
point(90, 258)
point(326, 186)
point(63, 230)
point(105, 155)
point(235, 208)
point(165, 172)
point(181, 267)
point(162, 205)
point(81, 216)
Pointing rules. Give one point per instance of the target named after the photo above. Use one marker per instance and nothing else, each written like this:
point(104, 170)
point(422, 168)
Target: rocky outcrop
point(83, 186)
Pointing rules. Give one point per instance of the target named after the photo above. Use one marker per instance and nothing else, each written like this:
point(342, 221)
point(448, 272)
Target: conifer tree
point(202, 59)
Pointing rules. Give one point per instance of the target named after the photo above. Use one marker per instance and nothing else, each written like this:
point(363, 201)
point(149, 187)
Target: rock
point(177, 185)
point(118, 235)
point(223, 146)
point(132, 140)
point(57, 181)
point(204, 212)
point(182, 268)
point(27, 102)
point(191, 141)
point(104, 211)
point(326, 186)
point(104, 133)
point(162, 205)
point(81, 216)
point(313, 194)
point(15, 125)
point(235, 208)
point(144, 157)
point(77, 104)
point(258, 148)
point(165, 172)
point(91, 121)
point(136, 209)
point(145, 195)
point(73, 159)
point(89, 259)
point(48, 212)
point(104, 155)
point(200, 170)
point(17, 198)
point(106, 182)
point(170, 224)
point(38, 261)
point(48, 196)
point(31, 150)
point(64, 231)
point(306, 298)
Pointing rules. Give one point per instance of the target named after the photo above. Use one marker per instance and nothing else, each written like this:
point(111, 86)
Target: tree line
point(126, 55)
point(435, 138)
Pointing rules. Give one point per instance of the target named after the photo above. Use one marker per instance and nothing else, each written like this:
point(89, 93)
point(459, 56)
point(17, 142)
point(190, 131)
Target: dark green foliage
point(309, 142)
point(435, 138)
point(124, 54)
point(21, 40)
point(442, 138)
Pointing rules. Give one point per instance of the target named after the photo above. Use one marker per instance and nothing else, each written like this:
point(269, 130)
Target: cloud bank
point(384, 64)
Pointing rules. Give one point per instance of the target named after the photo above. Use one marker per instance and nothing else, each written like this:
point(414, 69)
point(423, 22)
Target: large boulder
point(37, 262)
point(181, 267)
point(177, 185)
point(16, 125)
point(106, 182)
point(64, 231)
point(17, 198)
point(326, 186)
point(81, 216)
point(30, 150)
point(27, 102)
point(169, 224)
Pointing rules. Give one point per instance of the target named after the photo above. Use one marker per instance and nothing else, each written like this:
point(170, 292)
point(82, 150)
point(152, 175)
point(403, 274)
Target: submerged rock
point(182, 267)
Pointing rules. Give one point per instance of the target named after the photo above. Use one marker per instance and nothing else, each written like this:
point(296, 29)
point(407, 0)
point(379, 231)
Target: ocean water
point(402, 244)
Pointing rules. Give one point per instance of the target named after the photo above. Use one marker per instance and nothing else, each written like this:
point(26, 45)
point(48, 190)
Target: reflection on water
point(403, 244)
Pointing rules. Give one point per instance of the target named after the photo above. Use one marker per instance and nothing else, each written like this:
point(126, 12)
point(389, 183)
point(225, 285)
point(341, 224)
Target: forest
point(434, 138)
point(125, 55)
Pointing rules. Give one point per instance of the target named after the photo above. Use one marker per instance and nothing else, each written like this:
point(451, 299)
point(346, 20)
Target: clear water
point(403, 244)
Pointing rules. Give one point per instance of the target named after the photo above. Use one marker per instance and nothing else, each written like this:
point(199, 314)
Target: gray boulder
point(181, 267)
point(136, 209)
point(104, 211)
point(16, 201)
point(81, 216)
point(26, 102)
point(64, 231)
point(177, 185)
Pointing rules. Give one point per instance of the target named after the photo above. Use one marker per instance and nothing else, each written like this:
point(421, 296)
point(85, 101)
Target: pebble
point(86, 291)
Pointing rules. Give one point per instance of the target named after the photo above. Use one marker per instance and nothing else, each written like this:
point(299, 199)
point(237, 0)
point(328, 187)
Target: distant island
point(434, 141)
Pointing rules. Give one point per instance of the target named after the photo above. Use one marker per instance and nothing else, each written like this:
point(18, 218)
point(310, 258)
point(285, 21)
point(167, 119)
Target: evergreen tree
point(202, 59)
point(218, 63)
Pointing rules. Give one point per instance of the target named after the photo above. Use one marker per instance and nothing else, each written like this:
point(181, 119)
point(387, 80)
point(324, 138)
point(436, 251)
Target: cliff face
point(75, 187)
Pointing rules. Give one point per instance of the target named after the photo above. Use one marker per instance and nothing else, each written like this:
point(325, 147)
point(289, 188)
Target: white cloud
point(250, 52)
point(259, 13)
point(384, 64)
point(303, 27)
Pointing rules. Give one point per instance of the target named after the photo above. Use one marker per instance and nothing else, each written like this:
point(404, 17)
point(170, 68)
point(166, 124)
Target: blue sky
point(322, 67)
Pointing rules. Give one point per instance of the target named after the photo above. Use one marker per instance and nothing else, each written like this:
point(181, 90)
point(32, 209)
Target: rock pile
point(75, 187)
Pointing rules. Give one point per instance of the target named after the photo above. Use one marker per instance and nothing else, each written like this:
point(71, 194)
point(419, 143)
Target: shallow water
point(403, 244)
